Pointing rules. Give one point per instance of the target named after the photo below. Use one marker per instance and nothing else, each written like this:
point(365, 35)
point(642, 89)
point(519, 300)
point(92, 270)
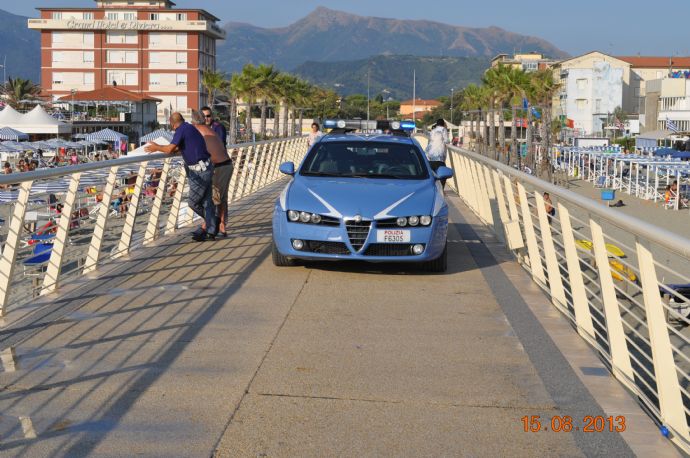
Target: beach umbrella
point(7, 133)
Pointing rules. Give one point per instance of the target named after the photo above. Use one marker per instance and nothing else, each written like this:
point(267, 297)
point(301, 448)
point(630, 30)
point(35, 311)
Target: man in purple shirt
point(217, 127)
point(199, 168)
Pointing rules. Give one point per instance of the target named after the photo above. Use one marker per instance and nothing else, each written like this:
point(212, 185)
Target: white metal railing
point(619, 280)
point(105, 210)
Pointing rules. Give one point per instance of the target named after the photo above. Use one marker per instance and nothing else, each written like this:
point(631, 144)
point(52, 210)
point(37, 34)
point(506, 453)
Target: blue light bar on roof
point(330, 123)
point(407, 125)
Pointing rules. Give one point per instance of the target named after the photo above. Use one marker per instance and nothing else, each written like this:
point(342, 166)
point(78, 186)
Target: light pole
point(368, 78)
point(73, 91)
point(386, 91)
point(451, 104)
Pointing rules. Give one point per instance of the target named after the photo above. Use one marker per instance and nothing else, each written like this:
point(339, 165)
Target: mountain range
point(327, 35)
point(332, 47)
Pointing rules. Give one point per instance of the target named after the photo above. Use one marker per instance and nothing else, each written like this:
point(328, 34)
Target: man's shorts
point(221, 182)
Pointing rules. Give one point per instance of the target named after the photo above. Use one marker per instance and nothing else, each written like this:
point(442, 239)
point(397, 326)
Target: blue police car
point(368, 197)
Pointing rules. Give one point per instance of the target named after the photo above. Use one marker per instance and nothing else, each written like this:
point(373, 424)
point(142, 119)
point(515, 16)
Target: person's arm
point(167, 149)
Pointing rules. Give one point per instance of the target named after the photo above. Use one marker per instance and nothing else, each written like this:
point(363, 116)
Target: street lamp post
point(73, 91)
point(368, 78)
point(451, 104)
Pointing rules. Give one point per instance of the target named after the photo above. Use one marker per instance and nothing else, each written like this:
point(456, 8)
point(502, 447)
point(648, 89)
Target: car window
point(365, 160)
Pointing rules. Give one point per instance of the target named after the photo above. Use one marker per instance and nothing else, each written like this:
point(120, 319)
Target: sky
point(629, 27)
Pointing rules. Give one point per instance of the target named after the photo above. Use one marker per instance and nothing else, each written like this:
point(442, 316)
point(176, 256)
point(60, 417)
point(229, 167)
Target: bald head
point(176, 119)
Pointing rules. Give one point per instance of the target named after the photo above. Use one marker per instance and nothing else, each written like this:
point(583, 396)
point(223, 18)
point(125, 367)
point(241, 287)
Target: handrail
point(42, 174)
point(659, 235)
point(620, 281)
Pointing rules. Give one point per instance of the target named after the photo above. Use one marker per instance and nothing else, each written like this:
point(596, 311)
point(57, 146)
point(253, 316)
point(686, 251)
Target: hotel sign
point(75, 24)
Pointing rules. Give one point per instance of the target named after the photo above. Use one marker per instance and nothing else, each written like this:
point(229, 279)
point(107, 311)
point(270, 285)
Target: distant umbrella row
point(14, 141)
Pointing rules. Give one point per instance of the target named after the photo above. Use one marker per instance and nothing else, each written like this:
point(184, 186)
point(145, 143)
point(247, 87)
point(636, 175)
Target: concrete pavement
point(208, 349)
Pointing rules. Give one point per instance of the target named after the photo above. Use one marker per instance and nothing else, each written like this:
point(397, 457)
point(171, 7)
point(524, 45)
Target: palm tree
point(471, 100)
point(227, 90)
point(544, 88)
point(212, 81)
point(266, 90)
point(288, 96)
point(245, 85)
point(516, 86)
point(18, 89)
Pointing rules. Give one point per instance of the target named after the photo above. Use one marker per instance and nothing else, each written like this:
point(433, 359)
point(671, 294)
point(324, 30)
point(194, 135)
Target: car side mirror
point(288, 168)
point(444, 173)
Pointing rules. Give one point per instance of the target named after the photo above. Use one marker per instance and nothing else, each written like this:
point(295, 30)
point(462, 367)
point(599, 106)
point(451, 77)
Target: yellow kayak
point(613, 250)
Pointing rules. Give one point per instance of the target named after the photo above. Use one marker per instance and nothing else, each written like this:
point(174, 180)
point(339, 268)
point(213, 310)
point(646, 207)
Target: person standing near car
point(314, 135)
point(436, 149)
point(199, 168)
point(214, 125)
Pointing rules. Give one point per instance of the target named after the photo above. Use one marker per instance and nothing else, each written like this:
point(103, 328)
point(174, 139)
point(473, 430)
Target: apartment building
point(145, 46)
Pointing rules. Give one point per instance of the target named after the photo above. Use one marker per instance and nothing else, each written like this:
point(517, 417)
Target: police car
point(363, 195)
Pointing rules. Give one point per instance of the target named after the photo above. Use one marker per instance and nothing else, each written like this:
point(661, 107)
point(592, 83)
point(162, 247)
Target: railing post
point(512, 205)
point(247, 170)
point(94, 253)
point(9, 253)
point(268, 161)
point(452, 161)
point(473, 187)
point(501, 203)
point(236, 163)
point(152, 227)
point(620, 357)
point(583, 317)
point(552, 265)
point(665, 371)
point(50, 281)
point(259, 168)
point(535, 265)
point(174, 215)
point(126, 239)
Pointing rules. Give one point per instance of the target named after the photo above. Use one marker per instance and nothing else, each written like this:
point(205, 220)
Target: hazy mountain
point(328, 35)
point(20, 45)
point(435, 75)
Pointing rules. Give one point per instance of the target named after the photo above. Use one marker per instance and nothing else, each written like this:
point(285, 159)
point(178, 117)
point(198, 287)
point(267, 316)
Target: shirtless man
point(222, 170)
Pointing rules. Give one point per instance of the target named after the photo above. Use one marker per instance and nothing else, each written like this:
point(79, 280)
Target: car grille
point(358, 233)
point(389, 249)
point(388, 223)
point(317, 246)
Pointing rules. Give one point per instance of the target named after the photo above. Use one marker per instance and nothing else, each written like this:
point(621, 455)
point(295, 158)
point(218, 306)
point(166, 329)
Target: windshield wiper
point(321, 174)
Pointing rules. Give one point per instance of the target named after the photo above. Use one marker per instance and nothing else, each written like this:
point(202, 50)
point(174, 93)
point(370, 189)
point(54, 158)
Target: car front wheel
point(280, 260)
point(439, 264)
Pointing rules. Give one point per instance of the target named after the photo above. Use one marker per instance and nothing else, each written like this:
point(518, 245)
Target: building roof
point(656, 61)
point(558, 63)
point(421, 103)
point(109, 94)
point(173, 10)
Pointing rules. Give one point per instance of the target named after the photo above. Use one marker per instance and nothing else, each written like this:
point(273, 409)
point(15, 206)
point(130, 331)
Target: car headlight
point(316, 219)
point(304, 217)
point(402, 221)
point(293, 215)
point(413, 220)
point(425, 220)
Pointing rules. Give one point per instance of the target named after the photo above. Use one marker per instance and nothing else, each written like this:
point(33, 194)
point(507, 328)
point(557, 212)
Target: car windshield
point(365, 160)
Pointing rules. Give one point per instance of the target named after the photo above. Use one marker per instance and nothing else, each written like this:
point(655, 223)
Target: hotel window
point(581, 104)
point(121, 37)
point(181, 39)
point(154, 40)
point(181, 79)
point(181, 102)
point(112, 16)
point(88, 56)
point(154, 58)
point(58, 78)
point(87, 16)
point(597, 106)
point(154, 16)
point(181, 57)
point(56, 15)
point(130, 16)
point(87, 39)
point(122, 57)
point(58, 37)
point(131, 79)
point(154, 79)
point(582, 84)
point(58, 56)
point(181, 16)
point(88, 79)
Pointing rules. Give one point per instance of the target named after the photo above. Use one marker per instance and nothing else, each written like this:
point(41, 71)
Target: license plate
point(392, 236)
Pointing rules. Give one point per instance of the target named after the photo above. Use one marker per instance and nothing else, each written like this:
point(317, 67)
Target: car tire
point(278, 259)
point(438, 265)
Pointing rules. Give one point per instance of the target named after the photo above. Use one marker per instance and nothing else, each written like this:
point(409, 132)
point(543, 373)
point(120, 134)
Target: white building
point(592, 87)
point(668, 99)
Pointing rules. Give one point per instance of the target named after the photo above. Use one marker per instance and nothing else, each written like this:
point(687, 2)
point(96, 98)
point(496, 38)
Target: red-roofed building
point(419, 107)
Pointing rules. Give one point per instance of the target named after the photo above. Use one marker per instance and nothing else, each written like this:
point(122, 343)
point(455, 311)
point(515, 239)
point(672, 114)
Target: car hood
point(369, 198)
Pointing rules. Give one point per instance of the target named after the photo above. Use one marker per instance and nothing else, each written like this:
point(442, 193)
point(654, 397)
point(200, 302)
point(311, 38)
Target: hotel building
point(144, 46)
